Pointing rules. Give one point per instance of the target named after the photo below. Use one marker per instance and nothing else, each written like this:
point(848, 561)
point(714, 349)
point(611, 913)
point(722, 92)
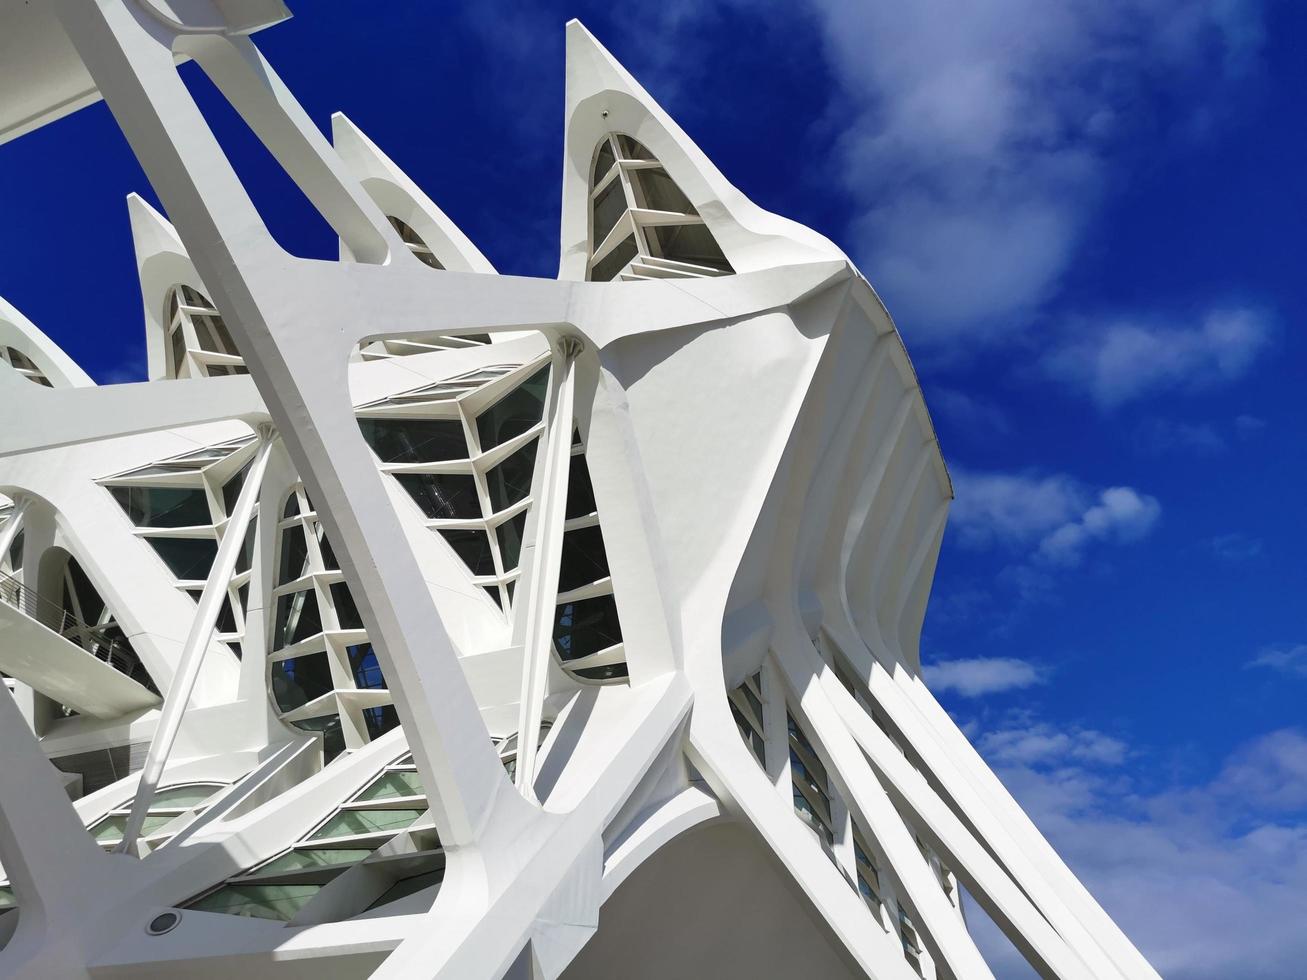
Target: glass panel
point(585, 627)
point(277, 902)
point(347, 613)
point(605, 673)
point(294, 555)
point(164, 506)
point(516, 412)
point(292, 507)
point(609, 206)
point(178, 797)
point(7, 899)
point(442, 495)
point(232, 488)
point(366, 670)
point(412, 238)
point(226, 621)
point(177, 345)
point(415, 440)
point(324, 546)
point(245, 557)
point(473, 547)
point(632, 149)
point(320, 857)
point(408, 886)
point(661, 192)
point(689, 243)
point(297, 681)
point(16, 551)
point(111, 827)
point(333, 743)
point(213, 335)
point(584, 559)
point(391, 784)
point(614, 262)
point(297, 618)
point(380, 720)
point(188, 558)
point(347, 823)
point(510, 481)
point(580, 492)
point(604, 161)
point(510, 535)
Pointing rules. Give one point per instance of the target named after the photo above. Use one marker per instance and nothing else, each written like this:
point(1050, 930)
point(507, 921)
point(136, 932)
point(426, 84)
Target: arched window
point(415, 243)
point(199, 343)
point(323, 674)
point(642, 226)
point(24, 365)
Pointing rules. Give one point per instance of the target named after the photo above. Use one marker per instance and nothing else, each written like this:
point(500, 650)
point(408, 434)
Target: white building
point(280, 616)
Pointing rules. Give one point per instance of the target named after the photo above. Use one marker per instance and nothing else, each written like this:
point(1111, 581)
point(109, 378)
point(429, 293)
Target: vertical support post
point(197, 642)
point(552, 504)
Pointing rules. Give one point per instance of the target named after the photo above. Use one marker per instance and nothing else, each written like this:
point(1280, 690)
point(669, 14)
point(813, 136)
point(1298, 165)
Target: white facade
point(281, 615)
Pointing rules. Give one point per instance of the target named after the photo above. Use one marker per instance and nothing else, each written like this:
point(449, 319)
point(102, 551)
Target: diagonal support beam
point(543, 599)
point(197, 643)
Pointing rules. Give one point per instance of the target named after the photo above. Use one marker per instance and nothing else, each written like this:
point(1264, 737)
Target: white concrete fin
point(162, 262)
point(398, 196)
point(17, 333)
point(602, 97)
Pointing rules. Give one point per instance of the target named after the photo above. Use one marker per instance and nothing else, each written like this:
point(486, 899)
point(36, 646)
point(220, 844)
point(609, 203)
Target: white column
point(206, 616)
point(541, 603)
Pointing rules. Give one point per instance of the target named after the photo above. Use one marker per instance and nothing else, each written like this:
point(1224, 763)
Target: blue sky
point(1085, 216)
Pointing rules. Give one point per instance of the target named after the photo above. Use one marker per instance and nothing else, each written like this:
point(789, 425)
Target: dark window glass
point(516, 412)
point(584, 560)
point(333, 739)
point(213, 335)
point(231, 490)
point(632, 149)
point(689, 243)
point(661, 192)
point(164, 506)
point(608, 207)
point(292, 507)
point(297, 618)
point(606, 673)
point(226, 622)
point(245, 557)
point(473, 547)
point(380, 719)
point(442, 495)
point(580, 493)
point(411, 238)
point(415, 440)
point(510, 535)
point(585, 627)
point(408, 886)
point(187, 558)
point(324, 546)
point(614, 262)
point(493, 592)
point(347, 613)
point(299, 680)
point(604, 161)
point(294, 555)
point(366, 669)
point(510, 481)
point(16, 551)
point(177, 344)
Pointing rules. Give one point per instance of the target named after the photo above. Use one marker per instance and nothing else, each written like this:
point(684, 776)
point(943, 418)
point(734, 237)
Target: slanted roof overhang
point(42, 77)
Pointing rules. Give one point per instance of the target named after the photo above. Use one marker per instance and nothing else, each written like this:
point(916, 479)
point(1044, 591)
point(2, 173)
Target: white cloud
point(1121, 514)
point(1055, 514)
point(980, 136)
point(978, 676)
point(1192, 874)
point(1165, 435)
point(1290, 660)
point(1041, 744)
point(1126, 359)
point(1235, 547)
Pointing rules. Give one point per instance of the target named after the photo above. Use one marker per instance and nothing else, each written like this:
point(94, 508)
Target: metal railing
point(95, 640)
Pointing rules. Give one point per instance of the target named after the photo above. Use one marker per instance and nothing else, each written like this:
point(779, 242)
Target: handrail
point(95, 640)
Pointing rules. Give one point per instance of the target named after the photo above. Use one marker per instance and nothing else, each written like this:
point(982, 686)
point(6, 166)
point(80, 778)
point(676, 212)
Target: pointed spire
point(603, 97)
point(399, 197)
point(18, 333)
point(162, 262)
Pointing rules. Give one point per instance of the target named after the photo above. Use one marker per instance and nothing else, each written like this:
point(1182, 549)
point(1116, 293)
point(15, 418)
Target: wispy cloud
point(1052, 515)
point(1156, 436)
point(1235, 547)
point(1039, 744)
point(1130, 358)
point(982, 136)
point(1291, 660)
point(978, 676)
point(1182, 869)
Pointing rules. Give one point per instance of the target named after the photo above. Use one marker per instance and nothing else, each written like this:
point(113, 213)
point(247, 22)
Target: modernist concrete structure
point(417, 621)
